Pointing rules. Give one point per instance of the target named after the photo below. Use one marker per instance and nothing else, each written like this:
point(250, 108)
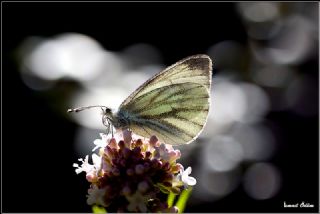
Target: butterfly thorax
point(119, 119)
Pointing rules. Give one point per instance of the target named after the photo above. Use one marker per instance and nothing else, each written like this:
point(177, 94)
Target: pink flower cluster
point(133, 174)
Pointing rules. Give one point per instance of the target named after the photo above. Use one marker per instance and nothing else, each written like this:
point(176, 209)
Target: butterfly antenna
point(84, 108)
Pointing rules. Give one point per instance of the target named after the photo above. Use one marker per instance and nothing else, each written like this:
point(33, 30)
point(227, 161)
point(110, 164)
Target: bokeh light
point(67, 55)
point(272, 76)
point(223, 153)
point(293, 43)
point(257, 142)
point(300, 96)
point(259, 11)
point(228, 55)
point(262, 181)
point(214, 185)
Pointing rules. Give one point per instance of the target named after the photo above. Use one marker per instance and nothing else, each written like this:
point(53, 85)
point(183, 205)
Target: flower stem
point(171, 198)
point(98, 209)
point(182, 201)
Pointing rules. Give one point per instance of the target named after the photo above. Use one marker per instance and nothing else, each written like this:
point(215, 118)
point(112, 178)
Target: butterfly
point(173, 105)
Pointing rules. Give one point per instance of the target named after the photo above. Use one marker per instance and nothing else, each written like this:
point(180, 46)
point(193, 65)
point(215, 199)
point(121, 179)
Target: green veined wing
point(174, 104)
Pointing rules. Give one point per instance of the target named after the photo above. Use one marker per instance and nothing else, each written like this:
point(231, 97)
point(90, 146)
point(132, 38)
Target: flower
point(133, 174)
point(189, 181)
point(137, 202)
point(91, 170)
point(100, 143)
point(96, 196)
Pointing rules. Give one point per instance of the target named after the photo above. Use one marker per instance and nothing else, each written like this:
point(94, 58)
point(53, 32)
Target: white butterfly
point(173, 104)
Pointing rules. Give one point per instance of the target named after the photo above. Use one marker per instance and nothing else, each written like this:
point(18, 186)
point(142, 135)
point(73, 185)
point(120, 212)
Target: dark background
point(37, 158)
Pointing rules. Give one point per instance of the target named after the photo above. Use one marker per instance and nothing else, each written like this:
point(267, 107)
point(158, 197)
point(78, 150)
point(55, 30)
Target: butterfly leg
point(111, 129)
point(108, 129)
point(107, 124)
point(105, 121)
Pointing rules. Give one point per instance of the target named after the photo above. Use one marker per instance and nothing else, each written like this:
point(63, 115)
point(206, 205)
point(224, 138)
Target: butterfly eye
point(107, 111)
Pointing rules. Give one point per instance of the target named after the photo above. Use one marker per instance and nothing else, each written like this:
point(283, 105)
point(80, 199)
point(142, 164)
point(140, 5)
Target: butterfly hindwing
point(174, 115)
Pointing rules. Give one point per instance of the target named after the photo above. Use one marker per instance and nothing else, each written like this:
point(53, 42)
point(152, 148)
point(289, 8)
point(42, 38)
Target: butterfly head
point(107, 114)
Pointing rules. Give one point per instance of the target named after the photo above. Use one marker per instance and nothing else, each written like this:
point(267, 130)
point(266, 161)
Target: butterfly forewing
point(174, 104)
point(195, 69)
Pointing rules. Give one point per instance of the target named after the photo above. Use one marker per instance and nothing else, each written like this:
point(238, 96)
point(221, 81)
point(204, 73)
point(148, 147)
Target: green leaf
point(182, 201)
point(98, 209)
